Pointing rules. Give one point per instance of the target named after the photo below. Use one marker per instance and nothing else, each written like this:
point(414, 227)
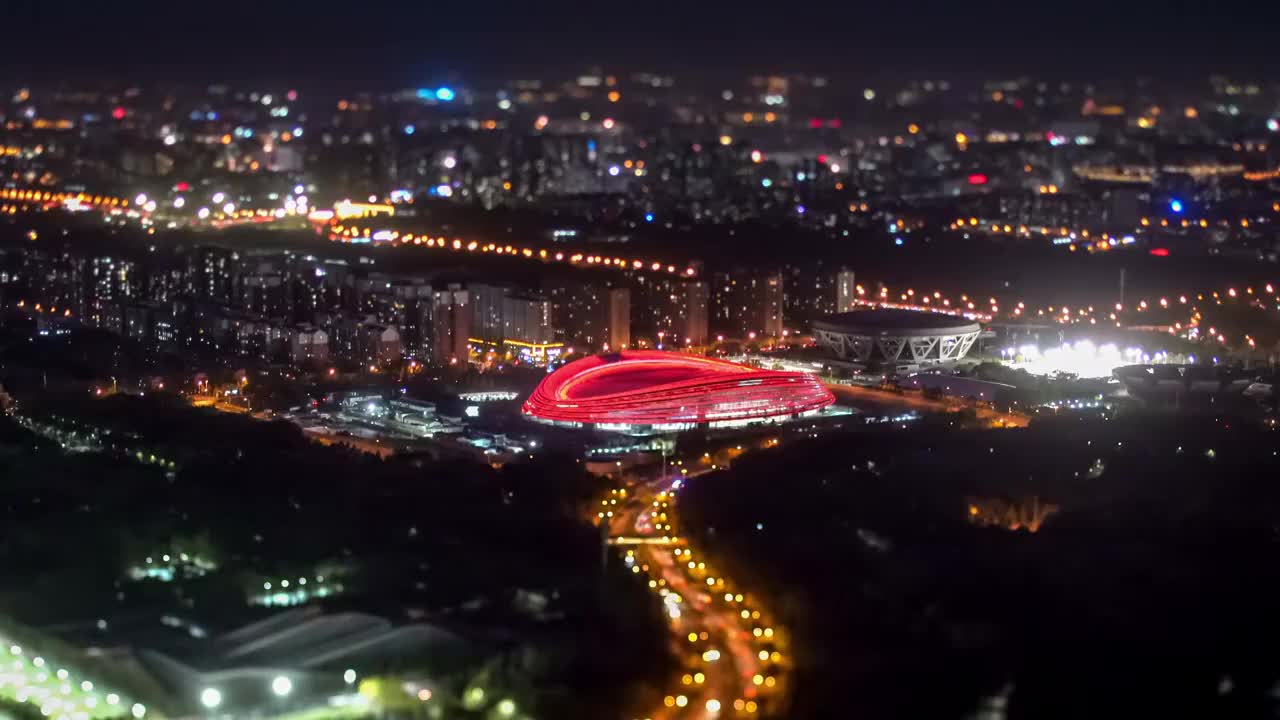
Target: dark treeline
point(1148, 589)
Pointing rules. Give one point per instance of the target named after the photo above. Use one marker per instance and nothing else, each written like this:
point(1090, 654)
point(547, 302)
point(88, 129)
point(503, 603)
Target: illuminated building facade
point(111, 281)
point(528, 353)
point(642, 390)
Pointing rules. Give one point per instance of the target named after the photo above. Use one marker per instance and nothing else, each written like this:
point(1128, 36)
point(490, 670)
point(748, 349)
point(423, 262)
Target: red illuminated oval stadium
point(645, 387)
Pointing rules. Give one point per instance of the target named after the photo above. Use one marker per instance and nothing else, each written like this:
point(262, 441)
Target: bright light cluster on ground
point(1083, 359)
point(57, 692)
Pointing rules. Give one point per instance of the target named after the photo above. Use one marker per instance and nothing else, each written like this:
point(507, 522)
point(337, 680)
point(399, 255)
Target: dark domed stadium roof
point(885, 321)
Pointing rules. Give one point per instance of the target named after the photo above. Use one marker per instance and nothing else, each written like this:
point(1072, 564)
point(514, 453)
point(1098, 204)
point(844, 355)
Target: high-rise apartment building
point(592, 315)
point(526, 319)
point(774, 300)
point(111, 282)
point(451, 319)
point(846, 291)
point(487, 311)
point(697, 298)
point(618, 314)
point(211, 273)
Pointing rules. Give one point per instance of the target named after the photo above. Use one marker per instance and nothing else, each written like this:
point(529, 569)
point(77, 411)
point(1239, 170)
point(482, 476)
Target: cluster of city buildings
point(311, 310)
point(627, 152)
point(715, 176)
point(127, 209)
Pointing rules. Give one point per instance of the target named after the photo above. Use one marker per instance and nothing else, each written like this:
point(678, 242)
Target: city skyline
point(716, 362)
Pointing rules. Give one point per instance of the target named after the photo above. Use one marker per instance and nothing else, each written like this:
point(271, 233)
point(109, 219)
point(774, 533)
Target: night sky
point(380, 43)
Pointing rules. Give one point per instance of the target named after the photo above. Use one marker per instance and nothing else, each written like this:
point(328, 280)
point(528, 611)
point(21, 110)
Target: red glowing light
point(182, 187)
point(815, 123)
point(1160, 252)
point(977, 179)
point(822, 159)
point(833, 123)
point(645, 387)
point(118, 113)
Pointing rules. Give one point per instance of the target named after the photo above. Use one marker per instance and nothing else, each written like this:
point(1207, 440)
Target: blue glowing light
point(444, 94)
point(648, 217)
point(409, 129)
point(1175, 205)
point(897, 241)
point(766, 182)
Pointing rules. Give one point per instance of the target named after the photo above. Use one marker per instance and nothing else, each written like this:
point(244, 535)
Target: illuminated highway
point(732, 655)
point(353, 233)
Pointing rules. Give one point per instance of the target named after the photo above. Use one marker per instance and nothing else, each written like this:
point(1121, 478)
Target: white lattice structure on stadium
point(896, 336)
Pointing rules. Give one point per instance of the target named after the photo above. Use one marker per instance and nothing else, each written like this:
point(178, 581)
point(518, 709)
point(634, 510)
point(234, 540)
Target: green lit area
point(168, 566)
point(288, 593)
point(56, 691)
